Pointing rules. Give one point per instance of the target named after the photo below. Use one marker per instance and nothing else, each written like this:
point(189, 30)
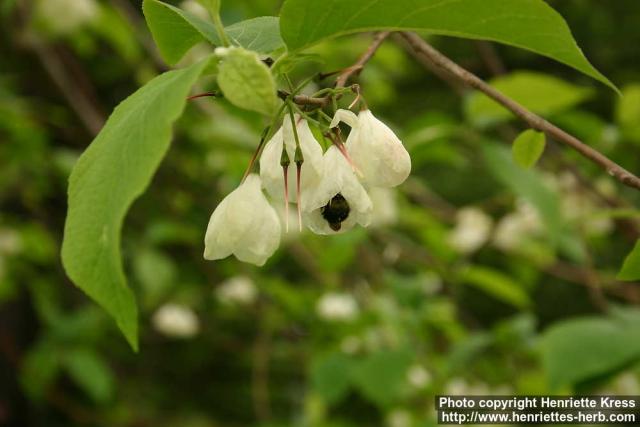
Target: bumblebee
point(336, 211)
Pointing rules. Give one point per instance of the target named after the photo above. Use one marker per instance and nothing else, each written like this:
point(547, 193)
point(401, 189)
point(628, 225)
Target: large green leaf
point(261, 34)
point(538, 92)
point(528, 24)
point(175, 31)
point(583, 349)
point(108, 177)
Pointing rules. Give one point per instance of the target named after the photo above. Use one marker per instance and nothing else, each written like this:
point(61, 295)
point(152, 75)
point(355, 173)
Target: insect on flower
point(336, 211)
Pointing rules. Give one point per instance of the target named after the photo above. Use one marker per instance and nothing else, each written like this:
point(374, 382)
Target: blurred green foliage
point(478, 277)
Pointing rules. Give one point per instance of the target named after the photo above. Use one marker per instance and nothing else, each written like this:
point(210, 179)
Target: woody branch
point(429, 54)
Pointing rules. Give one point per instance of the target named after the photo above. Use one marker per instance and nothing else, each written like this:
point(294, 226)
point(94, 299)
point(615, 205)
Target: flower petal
point(244, 224)
point(346, 116)
point(378, 153)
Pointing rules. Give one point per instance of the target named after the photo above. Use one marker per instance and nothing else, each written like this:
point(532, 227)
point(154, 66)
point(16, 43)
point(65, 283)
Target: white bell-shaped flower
point(340, 201)
point(310, 172)
point(243, 224)
point(375, 149)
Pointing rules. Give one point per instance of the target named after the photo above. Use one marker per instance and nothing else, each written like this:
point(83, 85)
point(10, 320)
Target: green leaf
point(584, 349)
point(175, 31)
point(628, 108)
point(528, 24)
point(528, 147)
point(261, 34)
point(39, 369)
point(331, 377)
point(381, 376)
point(540, 93)
point(90, 372)
point(246, 81)
point(628, 112)
point(496, 284)
point(115, 169)
point(631, 268)
point(213, 6)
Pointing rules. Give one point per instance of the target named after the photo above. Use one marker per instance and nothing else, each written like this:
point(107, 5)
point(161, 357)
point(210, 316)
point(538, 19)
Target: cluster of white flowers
point(518, 226)
point(472, 230)
point(176, 320)
point(238, 290)
point(337, 307)
point(66, 16)
point(331, 188)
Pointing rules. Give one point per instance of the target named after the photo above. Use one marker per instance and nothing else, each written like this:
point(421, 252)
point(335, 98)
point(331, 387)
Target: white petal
point(270, 168)
point(346, 116)
point(378, 153)
point(312, 166)
point(385, 210)
point(244, 224)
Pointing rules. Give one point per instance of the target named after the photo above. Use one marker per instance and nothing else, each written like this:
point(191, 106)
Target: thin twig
point(533, 120)
point(343, 77)
point(355, 69)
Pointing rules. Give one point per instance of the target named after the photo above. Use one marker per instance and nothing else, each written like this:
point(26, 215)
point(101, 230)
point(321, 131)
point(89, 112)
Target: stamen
point(298, 170)
point(345, 154)
point(202, 95)
point(285, 169)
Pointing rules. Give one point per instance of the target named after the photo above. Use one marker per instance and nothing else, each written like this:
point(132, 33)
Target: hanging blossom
point(271, 168)
point(243, 224)
point(376, 151)
point(330, 189)
point(340, 201)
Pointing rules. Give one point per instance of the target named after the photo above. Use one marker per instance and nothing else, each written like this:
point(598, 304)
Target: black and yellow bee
point(336, 211)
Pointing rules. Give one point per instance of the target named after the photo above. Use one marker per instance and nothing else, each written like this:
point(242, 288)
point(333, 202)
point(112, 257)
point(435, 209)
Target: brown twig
point(355, 69)
point(429, 53)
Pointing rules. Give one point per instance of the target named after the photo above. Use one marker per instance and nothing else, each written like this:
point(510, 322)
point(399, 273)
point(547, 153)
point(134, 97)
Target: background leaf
point(631, 268)
point(528, 24)
point(541, 93)
point(496, 284)
point(381, 376)
point(108, 177)
point(90, 372)
point(528, 147)
point(526, 184)
point(331, 376)
point(247, 82)
point(579, 350)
